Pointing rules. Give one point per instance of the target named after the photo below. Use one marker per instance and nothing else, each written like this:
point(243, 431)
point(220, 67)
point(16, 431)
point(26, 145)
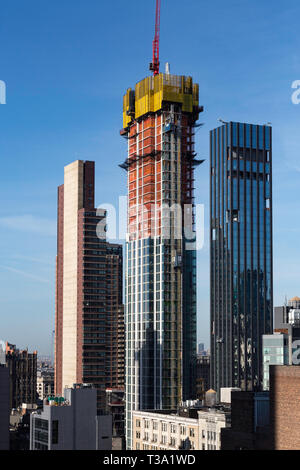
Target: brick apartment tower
point(89, 320)
point(159, 118)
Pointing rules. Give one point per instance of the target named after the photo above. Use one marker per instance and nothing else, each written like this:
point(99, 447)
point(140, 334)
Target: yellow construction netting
point(152, 91)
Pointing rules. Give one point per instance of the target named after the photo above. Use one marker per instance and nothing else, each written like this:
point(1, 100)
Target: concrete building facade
point(71, 423)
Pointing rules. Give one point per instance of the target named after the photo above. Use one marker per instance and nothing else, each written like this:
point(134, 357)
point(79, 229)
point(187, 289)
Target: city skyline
point(68, 112)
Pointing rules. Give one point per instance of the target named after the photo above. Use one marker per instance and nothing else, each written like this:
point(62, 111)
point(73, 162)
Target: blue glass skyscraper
point(241, 253)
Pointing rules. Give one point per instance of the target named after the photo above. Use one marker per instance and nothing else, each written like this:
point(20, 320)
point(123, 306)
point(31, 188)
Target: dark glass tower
point(241, 252)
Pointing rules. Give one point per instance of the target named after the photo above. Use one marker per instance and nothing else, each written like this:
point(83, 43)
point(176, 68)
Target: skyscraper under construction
point(159, 117)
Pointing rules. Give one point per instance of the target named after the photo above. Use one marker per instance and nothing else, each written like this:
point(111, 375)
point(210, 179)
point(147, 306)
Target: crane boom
point(154, 66)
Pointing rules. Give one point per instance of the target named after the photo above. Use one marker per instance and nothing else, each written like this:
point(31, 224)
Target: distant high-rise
point(275, 352)
point(159, 119)
point(22, 367)
point(241, 253)
point(202, 376)
point(287, 321)
point(89, 325)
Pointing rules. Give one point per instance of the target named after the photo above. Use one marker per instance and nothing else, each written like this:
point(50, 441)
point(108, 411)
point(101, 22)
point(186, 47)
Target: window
point(192, 432)
point(235, 215)
point(55, 432)
point(182, 430)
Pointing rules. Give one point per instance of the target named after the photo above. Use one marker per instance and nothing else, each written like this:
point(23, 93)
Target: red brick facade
point(285, 407)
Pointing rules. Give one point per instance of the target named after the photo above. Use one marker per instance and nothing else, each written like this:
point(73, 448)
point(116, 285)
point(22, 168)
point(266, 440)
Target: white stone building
point(191, 429)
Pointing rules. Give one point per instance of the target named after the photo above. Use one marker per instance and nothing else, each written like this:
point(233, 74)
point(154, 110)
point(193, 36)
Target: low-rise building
point(115, 407)
point(71, 422)
point(186, 429)
point(45, 384)
point(250, 419)
point(20, 426)
point(226, 393)
point(4, 407)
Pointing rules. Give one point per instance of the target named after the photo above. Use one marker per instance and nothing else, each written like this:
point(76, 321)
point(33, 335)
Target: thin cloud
point(25, 274)
point(30, 223)
point(32, 259)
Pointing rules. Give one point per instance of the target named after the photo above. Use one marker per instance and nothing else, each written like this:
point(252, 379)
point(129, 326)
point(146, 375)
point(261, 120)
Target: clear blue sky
point(66, 64)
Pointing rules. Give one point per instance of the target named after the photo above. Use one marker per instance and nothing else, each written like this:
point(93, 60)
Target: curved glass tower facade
point(240, 253)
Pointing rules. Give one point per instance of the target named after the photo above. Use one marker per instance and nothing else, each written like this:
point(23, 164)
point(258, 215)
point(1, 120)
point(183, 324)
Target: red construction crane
point(154, 66)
